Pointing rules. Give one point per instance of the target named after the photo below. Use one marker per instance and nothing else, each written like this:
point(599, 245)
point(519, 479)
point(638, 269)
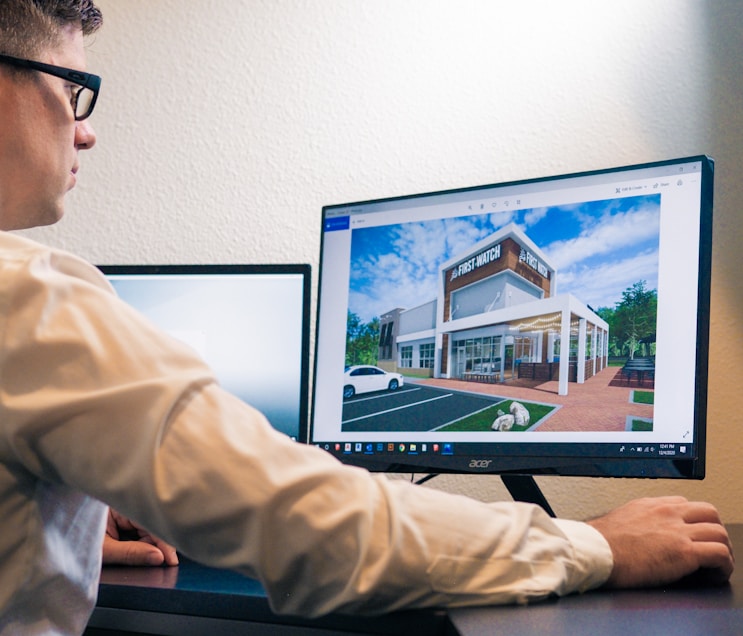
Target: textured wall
point(224, 126)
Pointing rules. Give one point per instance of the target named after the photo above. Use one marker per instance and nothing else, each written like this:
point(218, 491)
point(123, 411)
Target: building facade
point(497, 317)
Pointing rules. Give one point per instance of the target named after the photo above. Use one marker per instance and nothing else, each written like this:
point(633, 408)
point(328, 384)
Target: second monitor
point(250, 323)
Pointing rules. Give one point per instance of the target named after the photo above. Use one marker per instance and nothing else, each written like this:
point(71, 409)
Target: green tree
point(362, 340)
point(635, 318)
point(609, 315)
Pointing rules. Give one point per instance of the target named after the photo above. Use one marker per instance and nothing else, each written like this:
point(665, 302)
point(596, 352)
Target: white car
point(364, 378)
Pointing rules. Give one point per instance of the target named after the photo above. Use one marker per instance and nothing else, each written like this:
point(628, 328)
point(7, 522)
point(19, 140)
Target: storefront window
point(523, 349)
point(426, 352)
point(406, 357)
point(477, 355)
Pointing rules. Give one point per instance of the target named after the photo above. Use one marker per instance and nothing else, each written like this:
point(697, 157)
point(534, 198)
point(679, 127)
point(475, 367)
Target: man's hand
point(663, 540)
point(126, 543)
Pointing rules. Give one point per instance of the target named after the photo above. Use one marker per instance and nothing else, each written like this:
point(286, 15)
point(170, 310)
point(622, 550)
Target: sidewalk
point(602, 403)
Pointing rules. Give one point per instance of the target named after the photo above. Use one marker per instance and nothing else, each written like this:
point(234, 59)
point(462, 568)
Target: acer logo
point(480, 463)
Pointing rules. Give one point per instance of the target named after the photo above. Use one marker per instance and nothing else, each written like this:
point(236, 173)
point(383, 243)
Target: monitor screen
point(250, 323)
point(546, 326)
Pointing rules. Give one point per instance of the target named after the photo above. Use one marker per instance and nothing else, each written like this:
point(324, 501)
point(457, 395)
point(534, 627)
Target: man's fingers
point(715, 556)
point(700, 512)
point(168, 551)
point(712, 532)
point(128, 543)
point(136, 553)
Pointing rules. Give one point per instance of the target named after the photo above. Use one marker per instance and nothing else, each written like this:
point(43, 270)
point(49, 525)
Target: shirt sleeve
point(101, 400)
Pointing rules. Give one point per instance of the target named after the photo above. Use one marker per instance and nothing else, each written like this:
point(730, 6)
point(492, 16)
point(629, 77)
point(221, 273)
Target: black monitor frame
point(536, 458)
point(302, 270)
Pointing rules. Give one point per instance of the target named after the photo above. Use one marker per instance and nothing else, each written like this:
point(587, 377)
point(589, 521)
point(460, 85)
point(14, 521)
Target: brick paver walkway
point(602, 403)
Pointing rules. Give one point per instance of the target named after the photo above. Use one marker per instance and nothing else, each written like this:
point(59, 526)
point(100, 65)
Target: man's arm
point(206, 472)
point(653, 541)
point(663, 540)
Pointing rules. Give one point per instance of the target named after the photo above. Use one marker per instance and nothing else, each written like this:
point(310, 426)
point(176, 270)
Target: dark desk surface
point(192, 599)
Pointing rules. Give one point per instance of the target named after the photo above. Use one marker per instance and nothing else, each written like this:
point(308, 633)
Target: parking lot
point(602, 404)
point(411, 408)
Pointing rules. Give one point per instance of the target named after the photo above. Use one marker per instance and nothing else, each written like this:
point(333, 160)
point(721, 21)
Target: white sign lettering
point(533, 262)
point(483, 258)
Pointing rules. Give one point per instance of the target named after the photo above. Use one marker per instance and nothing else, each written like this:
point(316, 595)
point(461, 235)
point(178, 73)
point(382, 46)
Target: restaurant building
point(497, 317)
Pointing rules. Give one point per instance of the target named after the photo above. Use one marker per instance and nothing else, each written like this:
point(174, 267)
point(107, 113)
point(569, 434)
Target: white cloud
point(611, 233)
point(602, 286)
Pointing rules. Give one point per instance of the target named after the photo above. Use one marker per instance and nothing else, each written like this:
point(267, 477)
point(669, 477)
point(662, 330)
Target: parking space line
point(489, 406)
point(384, 395)
point(397, 408)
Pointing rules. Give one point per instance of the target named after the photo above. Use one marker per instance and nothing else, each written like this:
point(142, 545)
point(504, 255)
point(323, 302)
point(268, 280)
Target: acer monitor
point(550, 326)
point(250, 323)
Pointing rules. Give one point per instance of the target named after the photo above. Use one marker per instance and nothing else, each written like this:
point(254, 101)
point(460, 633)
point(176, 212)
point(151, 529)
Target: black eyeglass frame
point(86, 80)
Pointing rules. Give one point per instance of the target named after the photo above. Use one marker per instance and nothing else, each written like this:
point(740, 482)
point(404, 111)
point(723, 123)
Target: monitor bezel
point(304, 270)
point(535, 464)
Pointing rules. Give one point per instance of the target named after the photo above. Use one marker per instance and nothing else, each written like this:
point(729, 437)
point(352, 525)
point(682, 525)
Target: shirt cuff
point(593, 557)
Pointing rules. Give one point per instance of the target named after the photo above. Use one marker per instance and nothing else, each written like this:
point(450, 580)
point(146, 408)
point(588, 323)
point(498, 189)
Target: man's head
point(30, 26)
point(39, 135)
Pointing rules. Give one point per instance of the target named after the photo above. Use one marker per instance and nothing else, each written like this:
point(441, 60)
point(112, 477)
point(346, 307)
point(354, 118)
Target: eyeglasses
point(83, 99)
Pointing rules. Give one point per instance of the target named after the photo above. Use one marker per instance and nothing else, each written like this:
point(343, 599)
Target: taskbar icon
point(389, 448)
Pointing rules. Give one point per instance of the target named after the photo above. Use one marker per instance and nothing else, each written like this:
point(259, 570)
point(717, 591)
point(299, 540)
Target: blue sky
point(599, 248)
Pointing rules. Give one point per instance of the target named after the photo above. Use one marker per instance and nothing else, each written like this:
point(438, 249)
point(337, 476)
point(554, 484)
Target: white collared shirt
point(97, 404)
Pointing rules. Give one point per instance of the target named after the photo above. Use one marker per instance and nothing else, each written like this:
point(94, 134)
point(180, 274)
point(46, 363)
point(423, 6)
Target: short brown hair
point(28, 27)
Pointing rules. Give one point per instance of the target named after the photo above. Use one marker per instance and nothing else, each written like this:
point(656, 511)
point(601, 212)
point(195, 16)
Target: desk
point(193, 599)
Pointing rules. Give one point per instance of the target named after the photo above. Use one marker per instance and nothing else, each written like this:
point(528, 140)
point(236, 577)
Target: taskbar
point(656, 460)
point(663, 450)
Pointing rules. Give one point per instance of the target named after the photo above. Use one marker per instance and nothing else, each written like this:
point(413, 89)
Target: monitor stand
point(520, 487)
point(525, 488)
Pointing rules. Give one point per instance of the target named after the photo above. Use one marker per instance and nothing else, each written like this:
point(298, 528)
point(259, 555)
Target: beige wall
point(225, 125)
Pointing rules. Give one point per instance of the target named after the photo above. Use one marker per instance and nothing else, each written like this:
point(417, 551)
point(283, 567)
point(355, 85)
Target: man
point(96, 405)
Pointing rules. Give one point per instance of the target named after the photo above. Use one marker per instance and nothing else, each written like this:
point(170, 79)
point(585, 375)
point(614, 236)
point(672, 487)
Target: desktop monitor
point(250, 323)
point(548, 326)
